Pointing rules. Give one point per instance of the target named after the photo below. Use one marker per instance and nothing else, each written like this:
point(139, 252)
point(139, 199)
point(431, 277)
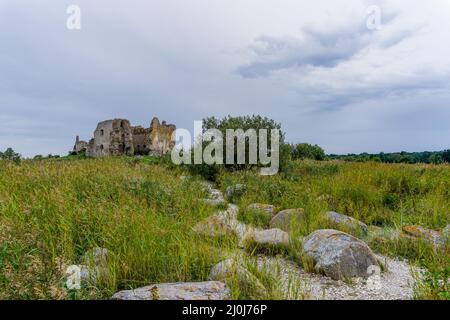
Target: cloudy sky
point(314, 66)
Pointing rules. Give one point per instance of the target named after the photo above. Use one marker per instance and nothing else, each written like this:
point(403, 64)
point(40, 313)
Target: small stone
point(347, 222)
point(209, 290)
point(339, 255)
point(285, 219)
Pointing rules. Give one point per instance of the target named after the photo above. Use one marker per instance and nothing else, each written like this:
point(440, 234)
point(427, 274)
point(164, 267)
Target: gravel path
point(394, 284)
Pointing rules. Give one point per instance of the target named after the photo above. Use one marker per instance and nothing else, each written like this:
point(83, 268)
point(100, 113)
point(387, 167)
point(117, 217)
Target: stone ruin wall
point(117, 137)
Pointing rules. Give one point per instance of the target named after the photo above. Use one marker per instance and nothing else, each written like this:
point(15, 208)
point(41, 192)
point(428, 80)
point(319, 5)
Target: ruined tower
point(118, 137)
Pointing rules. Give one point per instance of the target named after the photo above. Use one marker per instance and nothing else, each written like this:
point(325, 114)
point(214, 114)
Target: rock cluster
point(210, 290)
point(333, 253)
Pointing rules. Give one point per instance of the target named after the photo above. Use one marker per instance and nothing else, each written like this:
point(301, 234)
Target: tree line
point(436, 157)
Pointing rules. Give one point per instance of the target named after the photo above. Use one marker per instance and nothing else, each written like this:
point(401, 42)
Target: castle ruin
point(117, 137)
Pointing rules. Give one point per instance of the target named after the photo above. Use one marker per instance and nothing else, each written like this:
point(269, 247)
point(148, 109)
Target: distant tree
point(10, 155)
point(446, 155)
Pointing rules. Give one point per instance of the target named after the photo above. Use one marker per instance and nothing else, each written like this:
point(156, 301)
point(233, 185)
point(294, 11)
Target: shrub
point(245, 123)
point(307, 151)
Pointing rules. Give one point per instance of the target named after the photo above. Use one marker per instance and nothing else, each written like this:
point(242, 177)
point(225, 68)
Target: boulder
point(419, 232)
point(232, 270)
point(349, 223)
point(213, 227)
point(339, 255)
point(284, 219)
point(271, 238)
point(260, 207)
point(210, 290)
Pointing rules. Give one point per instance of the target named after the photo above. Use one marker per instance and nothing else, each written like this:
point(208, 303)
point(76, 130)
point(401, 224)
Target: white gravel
point(396, 283)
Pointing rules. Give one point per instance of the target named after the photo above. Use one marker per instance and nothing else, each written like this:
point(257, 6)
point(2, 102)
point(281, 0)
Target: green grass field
point(53, 211)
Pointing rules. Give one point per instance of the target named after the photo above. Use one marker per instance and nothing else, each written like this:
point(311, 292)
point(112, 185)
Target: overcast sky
point(314, 66)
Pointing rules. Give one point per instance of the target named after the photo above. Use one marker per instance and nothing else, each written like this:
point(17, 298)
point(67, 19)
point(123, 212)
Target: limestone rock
point(266, 208)
point(267, 238)
point(418, 232)
point(209, 290)
point(213, 227)
point(339, 255)
point(347, 222)
point(284, 219)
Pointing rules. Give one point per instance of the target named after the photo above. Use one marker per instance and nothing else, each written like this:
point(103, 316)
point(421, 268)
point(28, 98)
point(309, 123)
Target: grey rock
point(209, 290)
point(270, 238)
point(339, 255)
point(419, 232)
point(286, 218)
point(347, 222)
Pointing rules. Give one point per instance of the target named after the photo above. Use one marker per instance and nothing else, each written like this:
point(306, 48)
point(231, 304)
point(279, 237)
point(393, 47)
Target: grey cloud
point(139, 59)
point(315, 48)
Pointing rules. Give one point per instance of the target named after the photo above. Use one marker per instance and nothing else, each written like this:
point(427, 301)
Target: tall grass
point(53, 211)
point(384, 195)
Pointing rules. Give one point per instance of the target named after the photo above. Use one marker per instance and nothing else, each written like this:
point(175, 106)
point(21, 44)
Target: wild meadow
point(54, 210)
